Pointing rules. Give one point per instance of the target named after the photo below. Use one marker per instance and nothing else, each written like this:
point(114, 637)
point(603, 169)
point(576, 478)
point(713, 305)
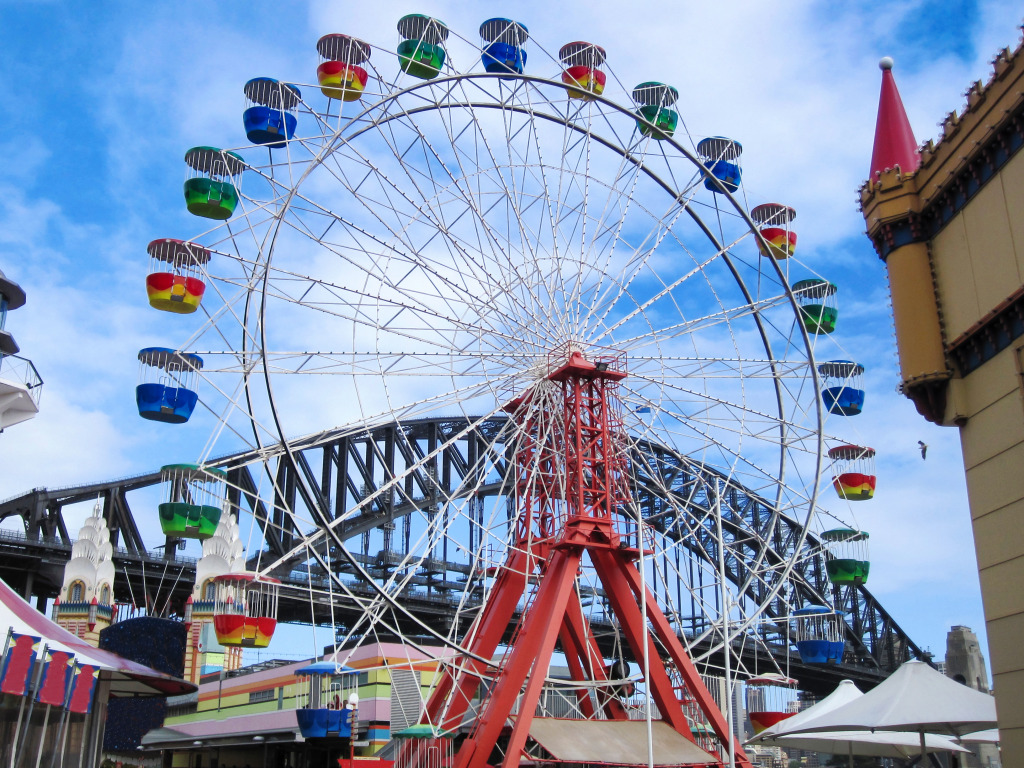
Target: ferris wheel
point(532, 255)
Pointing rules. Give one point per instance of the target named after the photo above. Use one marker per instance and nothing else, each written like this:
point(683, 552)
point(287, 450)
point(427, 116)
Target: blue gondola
point(270, 115)
point(167, 389)
point(329, 703)
point(721, 156)
point(503, 46)
point(819, 637)
point(843, 390)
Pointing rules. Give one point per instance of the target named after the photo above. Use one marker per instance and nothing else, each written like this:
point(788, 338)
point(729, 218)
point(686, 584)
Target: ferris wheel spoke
point(414, 299)
point(512, 194)
point(668, 288)
point(354, 306)
point(420, 139)
point(727, 315)
point(710, 435)
point(725, 416)
point(681, 203)
point(232, 404)
point(449, 365)
point(552, 212)
point(607, 234)
point(465, 293)
point(749, 548)
point(226, 315)
point(714, 367)
point(637, 263)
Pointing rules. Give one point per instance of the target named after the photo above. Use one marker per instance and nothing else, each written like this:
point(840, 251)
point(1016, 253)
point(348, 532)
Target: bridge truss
point(339, 471)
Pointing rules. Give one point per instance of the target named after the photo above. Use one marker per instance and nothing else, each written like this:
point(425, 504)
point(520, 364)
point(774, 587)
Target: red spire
point(894, 138)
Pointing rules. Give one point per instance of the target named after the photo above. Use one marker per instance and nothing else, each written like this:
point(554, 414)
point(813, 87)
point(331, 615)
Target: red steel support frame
point(571, 487)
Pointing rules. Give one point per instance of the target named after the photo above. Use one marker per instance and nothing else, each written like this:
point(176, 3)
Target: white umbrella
point(844, 693)
point(867, 744)
point(914, 698)
point(989, 736)
point(851, 743)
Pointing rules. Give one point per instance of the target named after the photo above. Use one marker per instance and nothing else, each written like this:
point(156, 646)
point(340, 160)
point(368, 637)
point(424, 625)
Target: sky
point(103, 102)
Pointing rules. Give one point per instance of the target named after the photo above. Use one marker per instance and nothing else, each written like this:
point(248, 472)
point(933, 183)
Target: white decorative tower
point(85, 604)
point(222, 553)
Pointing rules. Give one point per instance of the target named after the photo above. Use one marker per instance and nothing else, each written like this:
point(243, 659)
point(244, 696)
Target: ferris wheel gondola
point(168, 384)
point(175, 283)
point(583, 62)
point(270, 115)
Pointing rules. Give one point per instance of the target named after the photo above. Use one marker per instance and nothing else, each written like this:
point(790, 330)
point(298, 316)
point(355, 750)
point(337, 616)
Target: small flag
point(53, 686)
point(643, 409)
point(82, 687)
point(19, 658)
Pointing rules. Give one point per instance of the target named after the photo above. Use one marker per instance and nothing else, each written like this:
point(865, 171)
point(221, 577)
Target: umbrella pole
point(921, 734)
point(849, 746)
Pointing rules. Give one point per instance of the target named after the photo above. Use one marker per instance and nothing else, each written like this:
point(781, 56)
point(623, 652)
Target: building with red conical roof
point(946, 221)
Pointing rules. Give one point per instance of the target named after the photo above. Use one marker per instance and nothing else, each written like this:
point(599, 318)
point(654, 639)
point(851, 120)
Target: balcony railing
point(22, 371)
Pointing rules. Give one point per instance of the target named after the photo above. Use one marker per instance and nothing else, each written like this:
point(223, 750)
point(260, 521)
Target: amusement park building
point(945, 219)
point(67, 732)
point(248, 716)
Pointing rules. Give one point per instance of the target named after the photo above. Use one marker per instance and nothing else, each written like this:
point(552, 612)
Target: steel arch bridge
point(341, 470)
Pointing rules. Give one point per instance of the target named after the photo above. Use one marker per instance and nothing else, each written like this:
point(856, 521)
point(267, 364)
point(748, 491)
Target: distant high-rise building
point(965, 663)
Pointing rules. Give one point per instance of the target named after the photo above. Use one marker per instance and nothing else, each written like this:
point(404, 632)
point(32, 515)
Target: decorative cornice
point(929, 396)
point(989, 336)
point(980, 168)
point(894, 234)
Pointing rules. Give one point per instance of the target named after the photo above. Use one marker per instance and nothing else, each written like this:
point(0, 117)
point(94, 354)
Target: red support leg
point(577, 672)
point(606, 563)
point(531, 652)
point(616, 568)
point(452, 695)
point(563, 566)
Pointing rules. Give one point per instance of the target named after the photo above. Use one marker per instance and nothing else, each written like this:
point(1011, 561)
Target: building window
point(257, 697)
point(77, 592)
point(209, 590)
point(105, 595)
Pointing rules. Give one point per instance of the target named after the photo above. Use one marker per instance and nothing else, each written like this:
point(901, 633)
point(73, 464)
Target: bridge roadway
point(336, 469)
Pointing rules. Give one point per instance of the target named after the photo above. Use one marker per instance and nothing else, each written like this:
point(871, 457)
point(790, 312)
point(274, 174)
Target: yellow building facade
point(948, 221)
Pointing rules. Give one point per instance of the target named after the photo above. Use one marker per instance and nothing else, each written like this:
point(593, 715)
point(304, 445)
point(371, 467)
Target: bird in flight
point(924, 449)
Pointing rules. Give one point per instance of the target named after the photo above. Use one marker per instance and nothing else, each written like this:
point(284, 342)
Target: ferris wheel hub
point(606, 367)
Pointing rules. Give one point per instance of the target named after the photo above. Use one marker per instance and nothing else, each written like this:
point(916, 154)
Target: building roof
point(973, 141)
point(127, 678)
point(275, 726)
point(895, 144)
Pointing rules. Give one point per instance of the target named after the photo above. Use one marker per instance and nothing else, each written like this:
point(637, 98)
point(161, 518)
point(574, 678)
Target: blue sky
point(103, 102)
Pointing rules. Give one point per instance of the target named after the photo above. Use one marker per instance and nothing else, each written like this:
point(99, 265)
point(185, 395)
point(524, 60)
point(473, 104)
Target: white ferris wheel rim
point(267, 359)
